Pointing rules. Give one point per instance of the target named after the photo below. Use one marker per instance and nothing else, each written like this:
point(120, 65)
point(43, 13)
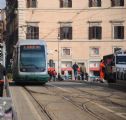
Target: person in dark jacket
point(75, 69)
point(2, 74)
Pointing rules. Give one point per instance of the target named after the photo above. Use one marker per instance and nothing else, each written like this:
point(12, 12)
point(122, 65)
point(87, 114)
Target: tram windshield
point(32, 58)
point(121, 60)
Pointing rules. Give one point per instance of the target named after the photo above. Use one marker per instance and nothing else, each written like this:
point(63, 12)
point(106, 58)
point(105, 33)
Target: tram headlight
point(22, 69)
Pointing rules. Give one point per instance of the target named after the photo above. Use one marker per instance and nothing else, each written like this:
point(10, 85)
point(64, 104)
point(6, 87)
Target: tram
point(30, 62)
point(115, 66)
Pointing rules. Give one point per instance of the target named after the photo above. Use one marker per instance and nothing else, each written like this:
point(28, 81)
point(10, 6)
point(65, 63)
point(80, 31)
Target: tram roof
point(31, 42)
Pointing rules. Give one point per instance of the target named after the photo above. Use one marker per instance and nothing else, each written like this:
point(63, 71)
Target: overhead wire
point(79, 24)
point(77, 13)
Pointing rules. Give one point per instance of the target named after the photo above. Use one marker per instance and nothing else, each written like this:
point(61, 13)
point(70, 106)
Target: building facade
point(81, 31)
point(2, 38)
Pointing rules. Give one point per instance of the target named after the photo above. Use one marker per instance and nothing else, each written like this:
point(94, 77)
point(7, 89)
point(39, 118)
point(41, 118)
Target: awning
point(94, 69)
point(68, 69)
point(51, 69)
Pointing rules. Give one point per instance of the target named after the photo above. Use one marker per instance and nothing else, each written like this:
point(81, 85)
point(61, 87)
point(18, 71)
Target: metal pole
point(58, 54)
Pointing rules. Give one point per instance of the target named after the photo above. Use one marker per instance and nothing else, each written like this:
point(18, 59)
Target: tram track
point(83, 107)
point(71, 98)
point(102, 98)
point(42, 107)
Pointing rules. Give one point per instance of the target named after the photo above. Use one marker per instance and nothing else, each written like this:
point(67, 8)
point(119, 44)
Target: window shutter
point(61, 3)
point(99, 32)
point(28, 33)
point(28, 3)
point(90, 3)
point(61, 33)
point(36, 36)
point(99, 3)
point(69, 3)
point(70, 33)
point(34, 3)
point(90, 33)
point(115, 32)
point(121, 2)
point(122, 32)
point(112, 3)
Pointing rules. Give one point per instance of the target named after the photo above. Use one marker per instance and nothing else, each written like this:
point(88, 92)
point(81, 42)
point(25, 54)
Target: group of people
point(81, 70)
point(78, 71)
point(52, 74)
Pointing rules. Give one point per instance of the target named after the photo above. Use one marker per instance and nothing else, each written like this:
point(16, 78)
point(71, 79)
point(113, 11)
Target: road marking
point(101, 106)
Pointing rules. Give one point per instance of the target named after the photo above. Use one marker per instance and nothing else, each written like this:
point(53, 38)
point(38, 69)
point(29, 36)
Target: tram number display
point(31, 47)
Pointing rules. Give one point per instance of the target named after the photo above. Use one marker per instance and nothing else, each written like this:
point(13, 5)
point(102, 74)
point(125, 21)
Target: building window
point(65, 31)
point(115, 49)
point(65, 3)
point(118, 30)
point(32, 31)
point(31, 3)
point(117, 3)
point(95, 31)
point(94, 3)
point(94, 51)
point(66, 51)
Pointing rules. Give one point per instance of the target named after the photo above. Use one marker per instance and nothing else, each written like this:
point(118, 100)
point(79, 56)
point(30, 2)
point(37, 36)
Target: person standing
point(75, 69)
point(66, 74)
point(54, 73)
point(50, 74)
point(102, 70)
point(83, 71)
point(2, 74)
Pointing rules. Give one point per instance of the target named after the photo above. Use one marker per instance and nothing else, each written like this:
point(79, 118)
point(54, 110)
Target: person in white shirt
point(66, 75)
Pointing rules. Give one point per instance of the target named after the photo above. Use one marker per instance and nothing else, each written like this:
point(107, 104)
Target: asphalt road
point(68, 101)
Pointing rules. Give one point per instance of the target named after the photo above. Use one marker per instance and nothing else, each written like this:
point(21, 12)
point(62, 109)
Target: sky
point(2, 4)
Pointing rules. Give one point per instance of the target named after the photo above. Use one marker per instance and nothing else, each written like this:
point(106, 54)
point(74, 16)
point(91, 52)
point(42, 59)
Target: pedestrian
point(2, 74)
point(50, 74)
point(75, 69)
point(83, 71)
point(54, 73)
point(66, 74)
point(102, 71)
point(59, 77)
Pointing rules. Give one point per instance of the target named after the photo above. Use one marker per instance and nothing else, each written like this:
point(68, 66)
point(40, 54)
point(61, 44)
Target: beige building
point(81, 31)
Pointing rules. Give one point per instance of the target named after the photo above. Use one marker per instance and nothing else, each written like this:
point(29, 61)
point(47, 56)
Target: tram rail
point(81, 106)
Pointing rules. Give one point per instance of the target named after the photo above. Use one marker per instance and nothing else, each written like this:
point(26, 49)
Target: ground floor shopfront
point(92, 67)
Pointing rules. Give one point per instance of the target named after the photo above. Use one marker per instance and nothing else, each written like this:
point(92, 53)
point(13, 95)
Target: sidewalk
point(89, 82)
point(119, 85)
